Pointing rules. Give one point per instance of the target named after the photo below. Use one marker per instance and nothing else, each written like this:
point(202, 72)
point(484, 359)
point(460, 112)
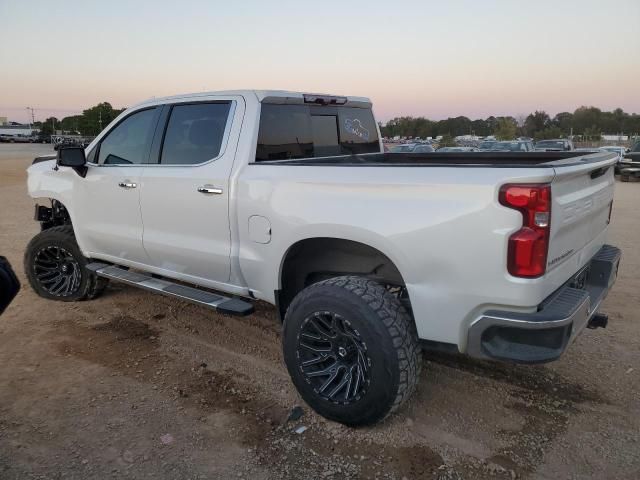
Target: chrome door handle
point(210, 190)
point(127, 184)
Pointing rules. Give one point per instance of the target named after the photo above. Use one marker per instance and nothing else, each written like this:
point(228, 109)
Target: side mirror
point(73, 157)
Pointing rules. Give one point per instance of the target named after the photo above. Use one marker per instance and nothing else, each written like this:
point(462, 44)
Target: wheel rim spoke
point(328, 381)
point(340, 386)
point(333, 358)
point(315, 348)
point(314, 361)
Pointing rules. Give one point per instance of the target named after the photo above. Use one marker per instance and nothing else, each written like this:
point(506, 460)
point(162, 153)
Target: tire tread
point(397, 321)
point(95, 285)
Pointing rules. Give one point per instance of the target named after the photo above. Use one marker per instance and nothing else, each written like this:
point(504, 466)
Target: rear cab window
point(289, 131)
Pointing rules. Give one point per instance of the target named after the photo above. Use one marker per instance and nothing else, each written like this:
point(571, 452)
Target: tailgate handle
point(598, 172)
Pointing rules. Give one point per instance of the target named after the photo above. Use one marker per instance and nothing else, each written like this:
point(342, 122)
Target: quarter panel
point(442, 227)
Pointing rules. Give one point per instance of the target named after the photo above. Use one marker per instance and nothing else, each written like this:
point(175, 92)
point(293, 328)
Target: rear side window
point(194, 133)
point(304, 131)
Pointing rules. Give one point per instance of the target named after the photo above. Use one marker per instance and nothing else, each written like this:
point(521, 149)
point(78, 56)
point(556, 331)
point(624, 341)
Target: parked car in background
point(633, 154)
point(558, 145)
point(629, 167)
point(17, 139)
point(487, 145)
point(513, 146)
point(457, 149)
point(72, 142)
point(404, 148)
point(620, 151)
point(423, 148)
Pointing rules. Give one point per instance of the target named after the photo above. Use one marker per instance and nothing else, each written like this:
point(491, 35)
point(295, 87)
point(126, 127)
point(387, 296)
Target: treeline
point(586, 122)
point(89, 123)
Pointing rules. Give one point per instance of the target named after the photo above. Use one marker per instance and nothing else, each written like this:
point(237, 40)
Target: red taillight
point(528, 247)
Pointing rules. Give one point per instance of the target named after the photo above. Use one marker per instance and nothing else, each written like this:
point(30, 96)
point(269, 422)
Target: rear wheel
point(55, 267)
point(351, 349)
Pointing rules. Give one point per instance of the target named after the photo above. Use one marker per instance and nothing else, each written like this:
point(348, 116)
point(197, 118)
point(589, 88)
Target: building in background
point(3, 121)
point(615, 138)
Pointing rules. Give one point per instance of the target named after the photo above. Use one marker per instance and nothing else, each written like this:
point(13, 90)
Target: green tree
point(481, 127)
point(92, 120)
point(506, 128)
point(536, 122)
point(49, 126)
point(564, 121)
point(592, 133)
point(447, 141)
point(585, 118)
point(548, 133)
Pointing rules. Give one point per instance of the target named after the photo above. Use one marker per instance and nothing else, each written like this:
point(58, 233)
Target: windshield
point(550, 144)
point(618, 150)
point(511, 146)
point(401, 149)
point(423, 149)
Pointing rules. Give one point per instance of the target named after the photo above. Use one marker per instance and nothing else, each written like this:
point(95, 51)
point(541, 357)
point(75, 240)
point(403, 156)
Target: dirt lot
point(134, 385)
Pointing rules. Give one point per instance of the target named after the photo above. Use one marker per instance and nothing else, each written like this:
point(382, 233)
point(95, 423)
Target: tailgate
point(581, 194)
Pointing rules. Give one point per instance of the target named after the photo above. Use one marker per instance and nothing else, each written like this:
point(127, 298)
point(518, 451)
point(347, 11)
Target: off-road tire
point(87, 286)
point(387, 331)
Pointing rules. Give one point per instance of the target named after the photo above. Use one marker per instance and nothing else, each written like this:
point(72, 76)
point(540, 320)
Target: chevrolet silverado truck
point(226, 198)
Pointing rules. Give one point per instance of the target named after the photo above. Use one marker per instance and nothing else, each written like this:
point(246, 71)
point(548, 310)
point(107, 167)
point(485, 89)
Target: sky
point(421, 58)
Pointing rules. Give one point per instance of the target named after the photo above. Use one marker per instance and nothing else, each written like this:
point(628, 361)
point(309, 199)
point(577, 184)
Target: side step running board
point(231, 306)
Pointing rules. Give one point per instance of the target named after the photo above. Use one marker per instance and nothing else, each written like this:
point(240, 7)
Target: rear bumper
point(544, 335)
point(632, 170)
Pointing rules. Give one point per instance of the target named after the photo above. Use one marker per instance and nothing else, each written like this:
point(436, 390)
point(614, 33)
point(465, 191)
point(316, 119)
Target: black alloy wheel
point(57, 271)
point(56, 268)
point(333, 358)
point(352, 349)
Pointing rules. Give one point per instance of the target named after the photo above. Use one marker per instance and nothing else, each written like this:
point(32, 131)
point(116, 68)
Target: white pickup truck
point(229, 197)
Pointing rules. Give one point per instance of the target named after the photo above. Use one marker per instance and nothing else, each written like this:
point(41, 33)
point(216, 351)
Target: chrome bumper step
point(220, 303)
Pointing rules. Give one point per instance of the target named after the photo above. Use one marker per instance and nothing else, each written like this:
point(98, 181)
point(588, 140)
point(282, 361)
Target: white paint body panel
point(442, 226)
point(186, 231)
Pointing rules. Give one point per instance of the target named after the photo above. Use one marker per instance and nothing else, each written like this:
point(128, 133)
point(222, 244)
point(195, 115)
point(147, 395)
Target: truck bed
point(449, 159)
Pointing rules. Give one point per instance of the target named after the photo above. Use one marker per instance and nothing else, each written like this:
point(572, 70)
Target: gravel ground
point(134, 385)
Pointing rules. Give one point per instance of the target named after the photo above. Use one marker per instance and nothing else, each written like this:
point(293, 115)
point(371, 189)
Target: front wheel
point(55, 267)
point(351, 349)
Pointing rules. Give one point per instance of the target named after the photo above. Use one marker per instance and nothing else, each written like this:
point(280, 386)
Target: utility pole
point(33, 116)
point(100, 119)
